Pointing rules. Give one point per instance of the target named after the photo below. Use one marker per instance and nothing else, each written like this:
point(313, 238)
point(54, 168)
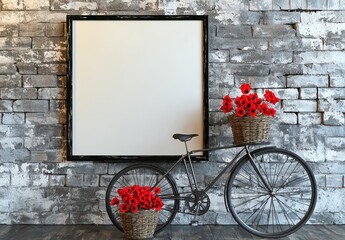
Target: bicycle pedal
point(194, 223)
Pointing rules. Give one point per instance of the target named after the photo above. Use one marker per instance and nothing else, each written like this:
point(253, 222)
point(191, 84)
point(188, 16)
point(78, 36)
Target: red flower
point(227, 104)
point(134, 208)
point(114, 201)
point(272, 112)
point(252, 112)
point(133, 201)
point(264, 109)
point(240, 112)
point(124, 208)
point(156, 190)
point(271, 97)
point(245, 88)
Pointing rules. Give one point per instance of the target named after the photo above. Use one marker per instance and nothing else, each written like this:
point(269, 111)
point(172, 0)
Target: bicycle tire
point(144, 175)
point(284, 208)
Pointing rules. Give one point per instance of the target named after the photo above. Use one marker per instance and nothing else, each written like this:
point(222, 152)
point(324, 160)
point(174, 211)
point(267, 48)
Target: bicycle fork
point(256, 169)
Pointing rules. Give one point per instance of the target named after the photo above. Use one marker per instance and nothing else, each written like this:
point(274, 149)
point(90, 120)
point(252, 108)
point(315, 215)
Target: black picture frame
point(75, 119)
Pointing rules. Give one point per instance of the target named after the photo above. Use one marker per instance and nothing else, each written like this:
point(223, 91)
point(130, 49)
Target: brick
point(38, 156)
point(51, 69)
point(57, 180)
point(335, 142)
point(40, 81)
point(36, 143)
point(273, 31)
point(334, 44)
point(91, 180)
point(8, 30)
point(32, 29)
point(18, 93)
point(234, 31)
point(281, 57)
point(18, 130)
point(299, 106)
point(320, 57)
point(12, 5)
point(250, 57)
point(286, 93)
point(281, 4)
point(45, 118)
point(5, 180)
point(219, 56)
point(259, 5)
point(27, 68)
point(296, 44)
point(288, 118)
point(8, 68)
point(12, 17)
point(10, 81)
point(238, 44)
point(119, 5)
point(337, 81)
point(260, 82)
point(321, 30)
point(7, 57)
point(286, 69)
point(245, 69)
point(333, 118)
point(12, 155)
point(51, 93)
point(13, 118)
point(30, 106)
point(317, 5)
point(40, 181)
point(334, 181)
point(332, 93)
point(81, 5)
point(11, 143)
point(10, 43)
point(104, 180)
point(307, 81)
point(53, 56)
point(333, 4)
point(324, 68)
point(298, 4)
point(308, 93)
point(48, 130)
point(36, 5)
point(327, 105)
point(5, 106)
point(55, 29)
point(51, 43)
point(271, 18)
point(308, 119)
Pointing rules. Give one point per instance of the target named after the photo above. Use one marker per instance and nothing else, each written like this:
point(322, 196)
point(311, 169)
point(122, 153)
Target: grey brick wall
point(293, 47)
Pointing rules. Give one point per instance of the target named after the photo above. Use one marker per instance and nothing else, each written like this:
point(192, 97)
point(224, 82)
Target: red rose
point(156, 190)
point(252, 112)
point(134, 208)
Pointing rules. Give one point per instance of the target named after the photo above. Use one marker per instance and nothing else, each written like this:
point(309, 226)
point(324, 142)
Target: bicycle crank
point(201, 198)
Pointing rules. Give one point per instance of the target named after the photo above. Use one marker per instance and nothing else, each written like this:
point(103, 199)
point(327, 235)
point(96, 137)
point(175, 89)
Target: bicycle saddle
point(184, 137)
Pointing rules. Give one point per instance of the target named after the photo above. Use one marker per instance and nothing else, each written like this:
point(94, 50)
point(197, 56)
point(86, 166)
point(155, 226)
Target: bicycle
point(270, 192)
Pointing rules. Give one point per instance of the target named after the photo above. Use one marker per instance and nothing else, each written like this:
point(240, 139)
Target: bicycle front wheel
point(281, 206)
point(144, 175)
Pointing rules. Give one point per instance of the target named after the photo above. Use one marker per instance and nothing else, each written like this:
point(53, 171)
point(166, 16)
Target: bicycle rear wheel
point(280, 210)
point(144, 175)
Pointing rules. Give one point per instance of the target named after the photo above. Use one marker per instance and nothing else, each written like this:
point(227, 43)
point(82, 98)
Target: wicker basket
point(139, 225)
point(250, 129)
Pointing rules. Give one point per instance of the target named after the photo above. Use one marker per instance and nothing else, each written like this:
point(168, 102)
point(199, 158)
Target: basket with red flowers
point(139, 208)
point(250, 116)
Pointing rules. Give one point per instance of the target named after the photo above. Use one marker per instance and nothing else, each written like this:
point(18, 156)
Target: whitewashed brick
point(332, 93)
point(334, 181)
point(288, 118)
point(30, 106)
point(291, 93)
point(327, 105)
point(219, 56)
point(259, 5)
point(298, 4)
point(333, 118)
point(307, 81)
point(320, 30)
point(299, 106)
point(10, 81)
point(271, 31)
point(309, 118)
point(18, 93)
point(5, 106)
point(308, 93)
point(320, 57)
point(335, 142)
point(13, 118)
point(337, 81)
